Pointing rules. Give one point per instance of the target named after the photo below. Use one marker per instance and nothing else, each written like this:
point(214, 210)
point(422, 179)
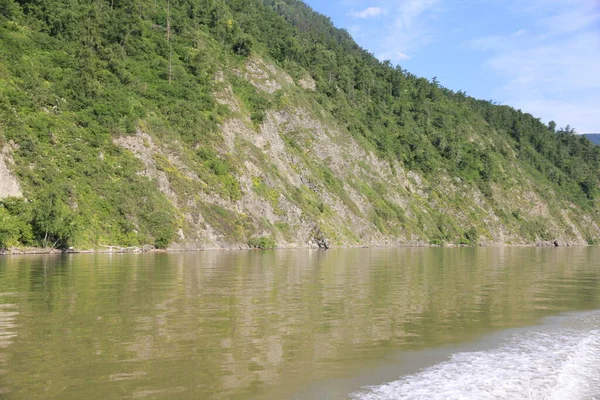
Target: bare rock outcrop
point(9, 185)
point(307, 82)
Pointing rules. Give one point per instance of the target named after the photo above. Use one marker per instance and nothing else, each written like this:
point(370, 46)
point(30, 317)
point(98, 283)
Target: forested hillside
point(213, 123)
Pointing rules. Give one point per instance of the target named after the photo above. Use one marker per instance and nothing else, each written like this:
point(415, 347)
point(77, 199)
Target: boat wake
point(551, 364)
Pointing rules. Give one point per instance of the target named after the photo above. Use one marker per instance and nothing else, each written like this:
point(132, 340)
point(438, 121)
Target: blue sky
point(542, 56)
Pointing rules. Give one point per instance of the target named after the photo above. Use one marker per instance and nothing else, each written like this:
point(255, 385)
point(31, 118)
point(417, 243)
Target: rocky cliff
point(302, 178)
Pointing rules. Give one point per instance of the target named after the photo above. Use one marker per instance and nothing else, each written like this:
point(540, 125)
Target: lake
point(302, 324)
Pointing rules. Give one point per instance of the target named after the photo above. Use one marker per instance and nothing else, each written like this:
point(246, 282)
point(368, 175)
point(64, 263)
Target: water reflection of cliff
point(197, 325)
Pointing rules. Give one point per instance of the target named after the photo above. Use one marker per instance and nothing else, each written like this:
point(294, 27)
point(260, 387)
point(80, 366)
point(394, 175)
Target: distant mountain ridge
point(594, 137)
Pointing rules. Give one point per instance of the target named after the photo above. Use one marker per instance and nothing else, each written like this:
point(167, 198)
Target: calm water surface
point(302, 324)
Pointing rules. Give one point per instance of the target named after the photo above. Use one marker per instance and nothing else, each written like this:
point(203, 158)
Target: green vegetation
point(15, 223)
point(75, 76)
point(256, 104)
point(262, 242)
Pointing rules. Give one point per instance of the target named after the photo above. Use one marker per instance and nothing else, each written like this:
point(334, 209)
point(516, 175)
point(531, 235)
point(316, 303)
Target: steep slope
point(212, 124)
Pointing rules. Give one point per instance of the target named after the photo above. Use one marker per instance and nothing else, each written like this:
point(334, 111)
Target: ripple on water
point(8, 332)
point(7, 324)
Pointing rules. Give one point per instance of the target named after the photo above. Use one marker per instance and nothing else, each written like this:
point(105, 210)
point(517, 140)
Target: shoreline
point(16, 251)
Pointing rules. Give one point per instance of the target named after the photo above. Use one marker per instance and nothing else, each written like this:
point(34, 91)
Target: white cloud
point(368, 12)
point(559, 66)
point(401, 56)
point(397, 56)
point(495, 42)
point(582, 116)
point(409, 28)
point(402, 27)
point(550, 70)
point(409, 12)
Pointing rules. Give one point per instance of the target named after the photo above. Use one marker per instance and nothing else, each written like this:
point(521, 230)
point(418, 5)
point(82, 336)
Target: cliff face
point(302, 177)
point(123, 143)
point(9, 185)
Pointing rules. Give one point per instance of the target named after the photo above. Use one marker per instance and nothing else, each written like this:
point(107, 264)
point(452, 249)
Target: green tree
point(9, 229)
point(242, 45)
point(163, 228)
point(53, 221)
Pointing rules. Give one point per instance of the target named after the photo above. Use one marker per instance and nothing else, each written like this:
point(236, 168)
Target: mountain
point(594, 137)
point(198, 124)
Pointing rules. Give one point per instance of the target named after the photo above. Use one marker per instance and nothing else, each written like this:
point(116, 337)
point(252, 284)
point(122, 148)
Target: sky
point(540, 56)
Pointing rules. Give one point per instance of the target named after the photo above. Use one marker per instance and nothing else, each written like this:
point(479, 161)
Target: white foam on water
point(560, 364)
